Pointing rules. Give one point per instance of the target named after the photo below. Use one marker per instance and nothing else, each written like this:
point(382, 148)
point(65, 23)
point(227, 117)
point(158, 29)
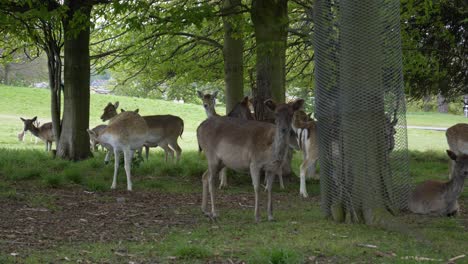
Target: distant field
point(28, 102)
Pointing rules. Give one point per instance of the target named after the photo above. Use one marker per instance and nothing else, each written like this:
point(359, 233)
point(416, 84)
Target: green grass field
point(55, 211)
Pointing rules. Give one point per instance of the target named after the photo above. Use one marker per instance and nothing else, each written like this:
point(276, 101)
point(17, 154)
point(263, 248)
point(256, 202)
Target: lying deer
point(246, 145)
point(125, 133)
point(240, 110)
point(44, 132)
point(457, 139)
point(440, 198)
point(163, 131)
point(306, 132)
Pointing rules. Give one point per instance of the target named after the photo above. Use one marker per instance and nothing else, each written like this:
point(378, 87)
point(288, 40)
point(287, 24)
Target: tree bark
point(6, 73)
point(74, 140)
point(54, 63)
point(442, 104)
point(233, 54)
point(270, 19)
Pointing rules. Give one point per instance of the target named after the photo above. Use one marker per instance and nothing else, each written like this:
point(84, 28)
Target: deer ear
point(298, 104)
point(91, 133)
point(270, 104)
point(116, 105)
point(200, 94)
point(34, 119)
point(452, 154)
point(22, 119)
point(137, 110)
point(215, 94)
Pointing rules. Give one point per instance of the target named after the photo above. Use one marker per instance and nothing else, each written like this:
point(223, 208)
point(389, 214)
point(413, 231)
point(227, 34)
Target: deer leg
point(107, 158)
point(213, 170)
point(255, 174)
point(128, 155)
point(205, 192)
point(223, 178)
point(167, 151)
point(303, 171)
point(147, 152)
point(116, 168)
point(280, 176)
point(271, 177)
point(177, 150)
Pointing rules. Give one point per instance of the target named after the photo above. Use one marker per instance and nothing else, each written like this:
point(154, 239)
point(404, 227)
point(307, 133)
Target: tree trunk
point(233, 53)
point(54, 63)
point(442, 104)
point(6, 74)
point(74, 140)
point(270, 19)
point(427, 103)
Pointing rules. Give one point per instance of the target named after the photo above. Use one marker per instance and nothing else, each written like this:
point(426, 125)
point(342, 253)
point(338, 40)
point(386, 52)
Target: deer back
point(125, 129)
point(161, 127)
point(46, 132)
point(226, 137)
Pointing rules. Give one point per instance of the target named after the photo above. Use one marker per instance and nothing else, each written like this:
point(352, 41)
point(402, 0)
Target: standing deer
point(246, 145)
point(440, 198)
point(163, 131)
point(125, 133)
point(306, 133)
point(94, 142)
point(44, 132)
point(457, 139)
point(23, 133)
point(240, 110)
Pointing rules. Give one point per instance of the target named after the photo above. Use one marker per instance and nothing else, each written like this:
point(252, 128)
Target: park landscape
point(57, 211)
point(252, 91)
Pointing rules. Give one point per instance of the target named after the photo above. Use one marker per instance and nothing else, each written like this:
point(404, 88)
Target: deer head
point(109, 111)
point(209, 102)
point(29, 123)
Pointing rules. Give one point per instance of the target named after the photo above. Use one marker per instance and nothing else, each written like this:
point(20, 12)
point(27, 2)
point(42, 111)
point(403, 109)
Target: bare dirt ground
point(80, 216)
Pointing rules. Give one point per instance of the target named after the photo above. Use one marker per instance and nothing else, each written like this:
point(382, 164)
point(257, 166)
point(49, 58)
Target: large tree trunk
point(6, 73)
point(270, 19)
point(233, 53)
point(74, 140)
point(54, 63)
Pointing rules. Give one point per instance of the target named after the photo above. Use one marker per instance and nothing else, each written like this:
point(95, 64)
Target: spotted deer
point(246, 145)
point(163, 131)
point(44, 132)
point(306, 135)
point(125, 133)
point(457, 139)
point(440, 198)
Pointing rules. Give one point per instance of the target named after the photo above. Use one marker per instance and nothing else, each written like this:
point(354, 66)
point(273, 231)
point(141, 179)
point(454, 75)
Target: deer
point(23, 133)
point(164, 131)
point(240, 110)
point(97, 130)
point(440, 198)
point(306, 134)
point(44, 132)
point(457, 139)
point(246, 145)
point(126, 132)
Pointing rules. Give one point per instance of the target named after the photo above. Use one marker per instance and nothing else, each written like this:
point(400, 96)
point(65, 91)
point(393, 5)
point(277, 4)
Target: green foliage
point(53, 180)
point(192, 252)
point(277, 256)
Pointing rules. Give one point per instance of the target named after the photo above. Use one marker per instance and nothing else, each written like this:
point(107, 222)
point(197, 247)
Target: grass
point(299, 235)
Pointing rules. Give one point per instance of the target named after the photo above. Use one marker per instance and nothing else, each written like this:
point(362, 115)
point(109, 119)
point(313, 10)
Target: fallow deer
point(457, 139)
point(440, 198)
point(240, 110)
point(94, 142)
point(44, 132)
point(306, 133)
point(23, 133)
point(125, 133)
point(246, 145)
point(164, 131)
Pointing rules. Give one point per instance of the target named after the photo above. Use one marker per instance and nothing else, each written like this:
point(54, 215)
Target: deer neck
point(280, 141)
point(210, 112)
point(34, 130)
point(454, 187)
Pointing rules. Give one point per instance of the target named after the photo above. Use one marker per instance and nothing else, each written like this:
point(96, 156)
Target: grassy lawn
point(54, 211)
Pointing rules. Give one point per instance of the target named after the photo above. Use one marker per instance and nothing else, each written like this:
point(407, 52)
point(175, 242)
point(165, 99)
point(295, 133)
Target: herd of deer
point(239, 142)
